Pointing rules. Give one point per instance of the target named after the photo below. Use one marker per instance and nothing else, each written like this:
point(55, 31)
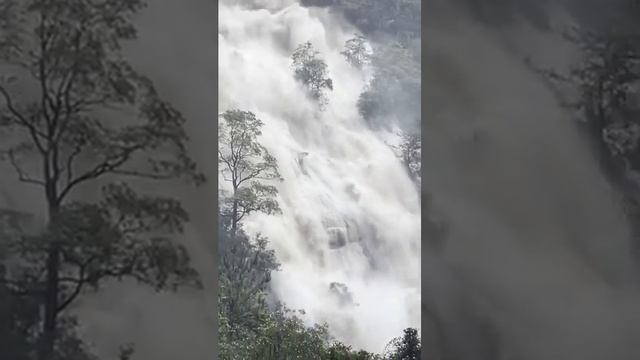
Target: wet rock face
point(342, 293)
point(301, 157)
point(338, 238)
point(352, 191)
point(343, 232)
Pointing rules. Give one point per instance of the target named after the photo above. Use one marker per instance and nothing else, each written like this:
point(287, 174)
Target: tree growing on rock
point(410, 152)
point(312, 72)
point(356, 52)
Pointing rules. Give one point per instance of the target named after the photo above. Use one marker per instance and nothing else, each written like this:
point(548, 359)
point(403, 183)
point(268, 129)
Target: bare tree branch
point(35, 133)
point(22, 176)
point(109, 165)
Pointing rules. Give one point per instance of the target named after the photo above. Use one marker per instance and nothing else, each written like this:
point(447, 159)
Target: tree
point(67, 84)
point(19, 312)
point(410, 151)
point(248, 327)
point(602, 81)
point(285, 336)
point(394, 91)
point(312, 72)
point(246, 164)
point(356, 52)
point(245, 264)
point(601, 89)
point(340, 351)
point(407, 347)
point(398, 18)
point(18, 316)
point(245, 272)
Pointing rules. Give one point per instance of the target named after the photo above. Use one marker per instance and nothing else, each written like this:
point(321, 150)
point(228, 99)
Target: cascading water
point(349, 234)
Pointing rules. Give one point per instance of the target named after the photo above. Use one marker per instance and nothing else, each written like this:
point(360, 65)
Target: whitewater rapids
point(350, 213)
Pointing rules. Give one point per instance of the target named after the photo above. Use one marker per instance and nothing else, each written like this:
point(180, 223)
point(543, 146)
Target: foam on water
point(350, 213)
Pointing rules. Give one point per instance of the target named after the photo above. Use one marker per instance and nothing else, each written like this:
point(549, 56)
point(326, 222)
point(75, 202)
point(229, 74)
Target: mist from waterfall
point(350, 213)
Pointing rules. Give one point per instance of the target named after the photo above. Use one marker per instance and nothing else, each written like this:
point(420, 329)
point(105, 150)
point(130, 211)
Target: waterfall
point(350, 217)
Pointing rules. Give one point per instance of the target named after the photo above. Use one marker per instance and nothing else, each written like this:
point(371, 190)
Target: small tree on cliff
point(80, 114)
point(246, 164)
point(311, 71)
point(356, 52)
point(410, 152)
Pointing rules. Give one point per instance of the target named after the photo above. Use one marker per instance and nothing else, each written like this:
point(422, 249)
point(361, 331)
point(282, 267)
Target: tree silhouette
point(79, 114)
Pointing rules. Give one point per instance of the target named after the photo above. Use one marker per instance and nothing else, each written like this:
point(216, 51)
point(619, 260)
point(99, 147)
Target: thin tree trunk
point(49, 331)
point(234, 211)
point(50, 304)
point(234, 218)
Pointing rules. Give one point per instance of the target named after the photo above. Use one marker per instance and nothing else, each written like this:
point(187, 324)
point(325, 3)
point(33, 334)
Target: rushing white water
point(341, 180)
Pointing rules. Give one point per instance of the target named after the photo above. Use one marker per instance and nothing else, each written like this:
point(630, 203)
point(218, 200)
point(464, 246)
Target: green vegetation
point(393, 94)
point(246, 164)
point(249, 327)
point(400, 18)
point(394, 90)
point(392, 28)
point(312, 72)
point(356, 52)
point(410, 151)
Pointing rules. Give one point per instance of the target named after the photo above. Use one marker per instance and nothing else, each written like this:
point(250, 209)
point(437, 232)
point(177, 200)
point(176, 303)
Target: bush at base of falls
point(283, 335)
